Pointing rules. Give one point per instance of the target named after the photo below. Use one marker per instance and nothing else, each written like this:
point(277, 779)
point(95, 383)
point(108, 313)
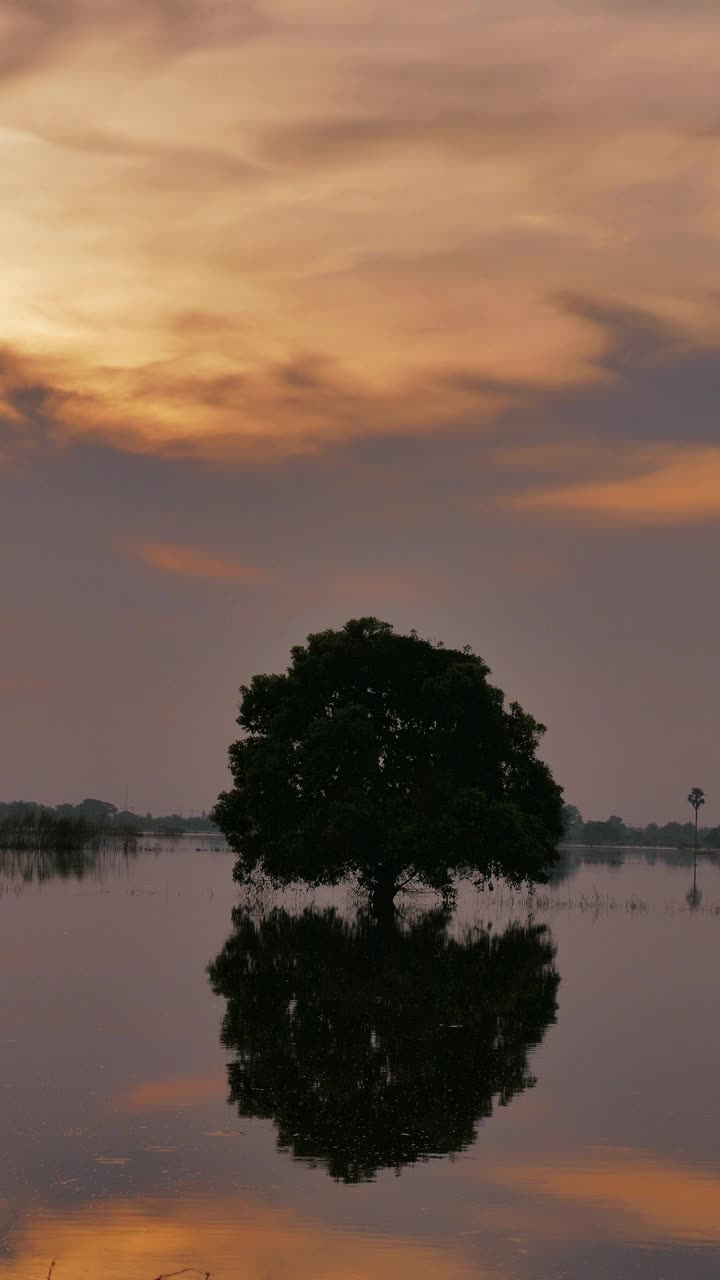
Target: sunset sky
point(318, 308)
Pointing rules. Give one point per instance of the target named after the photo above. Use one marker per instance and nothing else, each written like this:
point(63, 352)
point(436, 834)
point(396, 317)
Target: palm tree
point(696, 799)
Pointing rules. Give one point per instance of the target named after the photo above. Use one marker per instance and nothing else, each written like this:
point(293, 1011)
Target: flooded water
point(528, 1091)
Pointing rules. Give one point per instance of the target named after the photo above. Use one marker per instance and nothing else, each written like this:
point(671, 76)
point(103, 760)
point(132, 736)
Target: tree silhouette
point(696, 799)
point(390, 759)
point(372, 1046)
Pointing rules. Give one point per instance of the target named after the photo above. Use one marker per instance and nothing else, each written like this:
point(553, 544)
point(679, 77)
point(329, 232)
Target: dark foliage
point(371, 1046)
point(390, 759)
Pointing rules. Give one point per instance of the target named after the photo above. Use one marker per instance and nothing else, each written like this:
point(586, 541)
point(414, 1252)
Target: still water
point(529, 1090)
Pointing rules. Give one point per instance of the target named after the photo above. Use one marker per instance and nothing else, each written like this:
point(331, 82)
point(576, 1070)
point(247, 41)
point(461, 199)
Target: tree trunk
point(382, 897)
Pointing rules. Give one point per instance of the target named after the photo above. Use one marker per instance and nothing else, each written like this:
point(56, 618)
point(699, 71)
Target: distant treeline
point(34, 828)
point(613, 831)
point(27, 824)
point(96, 817)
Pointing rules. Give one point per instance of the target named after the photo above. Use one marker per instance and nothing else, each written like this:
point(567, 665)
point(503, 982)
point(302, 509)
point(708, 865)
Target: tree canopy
point(391, 759)
point(373, 1046)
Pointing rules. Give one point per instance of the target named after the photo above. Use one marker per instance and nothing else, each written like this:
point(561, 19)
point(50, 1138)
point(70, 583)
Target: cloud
point(350, 138)
point(132, 1238)
point(193, 562)
point(179, 1091)
point(36, 32)
point(639, 1194)
point(680, 487)
point(272, 411)
point(28, 402)
point(379, 234)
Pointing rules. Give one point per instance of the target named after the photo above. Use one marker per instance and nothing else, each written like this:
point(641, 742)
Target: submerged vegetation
point(36, 829)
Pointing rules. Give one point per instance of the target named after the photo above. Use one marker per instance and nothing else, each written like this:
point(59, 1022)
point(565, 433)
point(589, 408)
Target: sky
point(313, 309)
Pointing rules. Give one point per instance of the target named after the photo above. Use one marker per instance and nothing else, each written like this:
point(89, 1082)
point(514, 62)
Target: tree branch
point(404, 882)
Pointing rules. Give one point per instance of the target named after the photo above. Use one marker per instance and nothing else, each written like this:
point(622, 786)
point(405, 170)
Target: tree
point(618, 826)
point(372, 1046)
point(96, 810)
point(696, 799)
point(609, 832)
point(573, 822)
point(389, 759)
point(676, 834)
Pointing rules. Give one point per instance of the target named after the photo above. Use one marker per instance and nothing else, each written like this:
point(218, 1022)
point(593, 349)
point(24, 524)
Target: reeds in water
point(39, 830)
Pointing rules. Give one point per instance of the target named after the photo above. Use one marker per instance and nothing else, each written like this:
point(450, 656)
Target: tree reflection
point(374, 1046)
point(694, 897)
point(26, 866)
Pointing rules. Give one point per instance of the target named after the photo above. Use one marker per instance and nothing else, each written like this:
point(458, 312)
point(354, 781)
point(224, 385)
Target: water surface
point(528, 1091)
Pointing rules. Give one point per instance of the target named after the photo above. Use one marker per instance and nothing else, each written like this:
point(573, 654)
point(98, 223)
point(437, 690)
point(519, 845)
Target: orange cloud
point(378, 237)
point(137, 1238)
point(639, 1195)
point(683, 487)
point(192, 562)
point(178, 1091)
